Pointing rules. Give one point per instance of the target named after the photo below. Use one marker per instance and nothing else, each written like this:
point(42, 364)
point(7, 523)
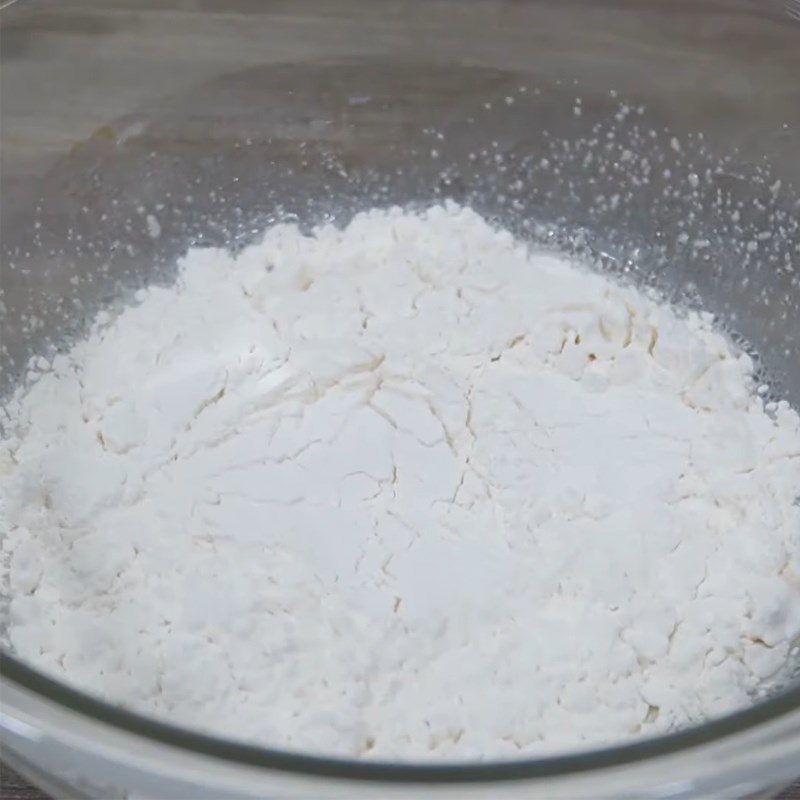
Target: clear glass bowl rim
point(751, 718)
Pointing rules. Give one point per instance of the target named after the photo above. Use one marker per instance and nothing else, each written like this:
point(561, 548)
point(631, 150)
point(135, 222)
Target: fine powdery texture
point(403, 490)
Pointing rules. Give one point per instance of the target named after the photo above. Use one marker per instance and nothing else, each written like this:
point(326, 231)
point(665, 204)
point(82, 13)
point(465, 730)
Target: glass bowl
point(659, 139)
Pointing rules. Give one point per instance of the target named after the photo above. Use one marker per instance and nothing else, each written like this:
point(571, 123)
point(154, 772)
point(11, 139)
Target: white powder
point(404, 490)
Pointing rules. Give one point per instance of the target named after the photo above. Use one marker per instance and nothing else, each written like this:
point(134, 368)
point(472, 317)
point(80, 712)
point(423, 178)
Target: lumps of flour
point(403, 490)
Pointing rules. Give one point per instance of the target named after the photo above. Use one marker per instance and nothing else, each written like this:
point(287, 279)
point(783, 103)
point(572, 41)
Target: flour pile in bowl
point(404, 490)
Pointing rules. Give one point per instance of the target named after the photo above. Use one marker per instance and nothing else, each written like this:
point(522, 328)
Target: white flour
point(404, 490)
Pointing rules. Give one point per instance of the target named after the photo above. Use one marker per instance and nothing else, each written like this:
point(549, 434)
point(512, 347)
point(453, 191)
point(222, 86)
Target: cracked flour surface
point(403, 490)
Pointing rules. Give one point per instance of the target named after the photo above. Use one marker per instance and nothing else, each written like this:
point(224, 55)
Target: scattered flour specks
point(403, 490)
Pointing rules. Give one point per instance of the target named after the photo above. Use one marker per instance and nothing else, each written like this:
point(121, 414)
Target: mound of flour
point(403, 490)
